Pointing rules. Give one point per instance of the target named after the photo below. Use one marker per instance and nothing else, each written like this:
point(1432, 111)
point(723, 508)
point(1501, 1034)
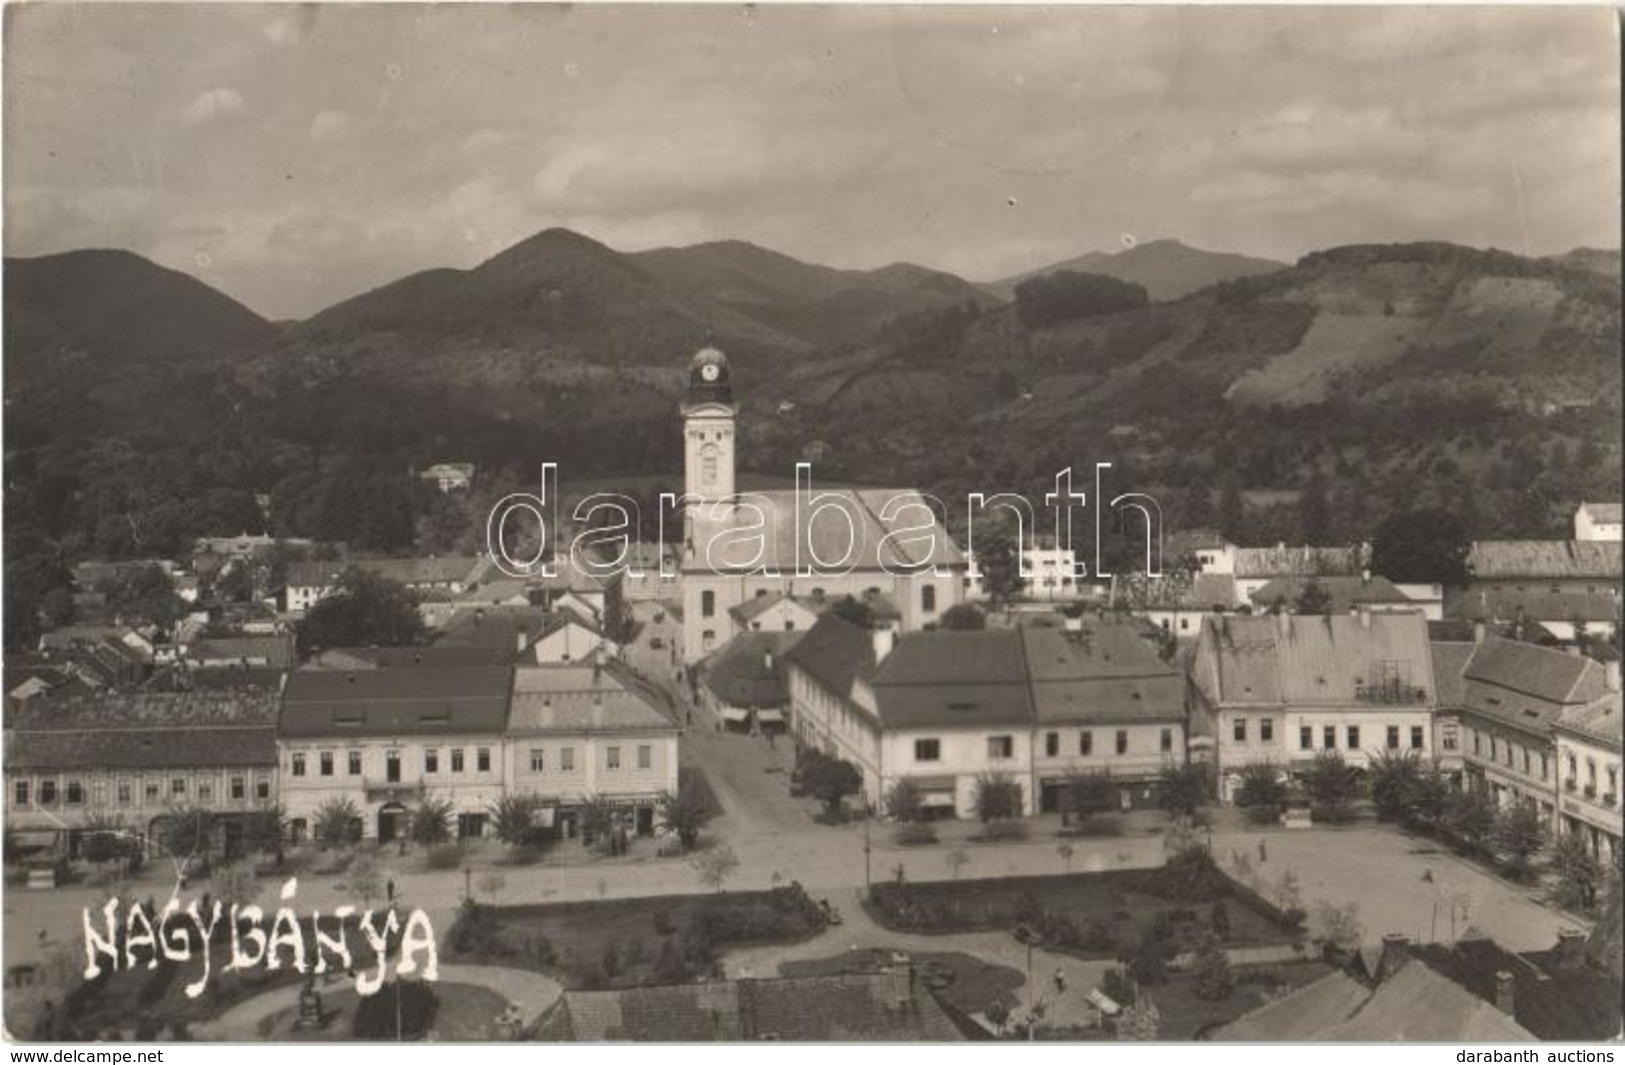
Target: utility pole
point(866, 851)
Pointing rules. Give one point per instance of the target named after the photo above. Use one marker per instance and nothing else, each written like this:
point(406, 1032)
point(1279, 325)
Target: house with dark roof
point(1177, 601)
point(1557, 995)
point(439, 577)
point(1533, 611)
point(1036, 704)
point(1450, 694)
point(746, 683)
point(1553, 566)
point(135, 757)
point(588, 730)
point(1513, 695)
point(889, 1006)
point(1283, 688)
point(1344, 595)
point(1257, 566)
point(390, 737)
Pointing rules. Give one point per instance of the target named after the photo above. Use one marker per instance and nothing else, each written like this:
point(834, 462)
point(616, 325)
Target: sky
point(296, 156)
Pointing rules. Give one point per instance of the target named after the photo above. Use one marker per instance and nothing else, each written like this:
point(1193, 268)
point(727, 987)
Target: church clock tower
point(708, 452)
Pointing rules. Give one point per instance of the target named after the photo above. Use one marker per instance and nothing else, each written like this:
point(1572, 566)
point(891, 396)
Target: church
point(815, 545)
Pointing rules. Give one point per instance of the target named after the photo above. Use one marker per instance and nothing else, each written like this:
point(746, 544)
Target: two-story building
point(1598, 521)
point(591, 731)
point(1283, 688)
point(439, 577)
point(135, 758)
point(1514, 694)
point(1588, 742)
point(388, 738)
point(1255, 567)
point(1552, 566)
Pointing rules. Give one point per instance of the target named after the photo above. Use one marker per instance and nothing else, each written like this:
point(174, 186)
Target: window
point(1476, 747)
point(355, 763)
point(98, 793)
point(1393, 737)
point(1052, 743)
point(47, 793)
point(205, 791)
point(928, 599)
point(482, 759)
point(1416, 737)
point(431, 761)
point(177, 787)
point(645, 756)
point(20, 793)
point(708, 604)
point(1306, 737)
point(125, 792)
point(326, 763)
point(239, 788)
point(1448, 737)
point(1526, 760)
point(1543, 767)
point(538, 760)
point(1240, 730)
point(1167, 740)
point(1328, 737)
point(927, 750)
point(1266, 729)
point(612, 758)
point(999, 747)
point(262, 788)
point(708, 639)
point(1122, 741)
point(1354, 737)
point(567, 759)
point(1495, 755)
point(298, 764)
point(456, 759)
point(392, 767)
point(151, 791)
point(1086, 743)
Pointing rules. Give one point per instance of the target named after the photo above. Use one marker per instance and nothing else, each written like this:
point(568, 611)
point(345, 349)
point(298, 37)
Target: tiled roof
point(1300, 1015)
point(1544, 674)
point(1505, 604)
point(499, 628)
point(1534, 559)
point(274, 652)
point(1449, 659)
point(1284, 561)
point(834, 652)
point(790, 532)
point(951, 678)
point(579, 698)
point(1576, 1004)
point(1178, 591)
point(1106, 673)
point(409, 571)
point(1598, 720)
point(1604, 513)
point(757, 605)
point(1374, 660)
point(749, 671)
point(838, 1008)
point(452, 700)
point(1345, 592)
point(146, 729)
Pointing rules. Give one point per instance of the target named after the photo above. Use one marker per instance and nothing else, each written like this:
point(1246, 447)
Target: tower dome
point(708, 377)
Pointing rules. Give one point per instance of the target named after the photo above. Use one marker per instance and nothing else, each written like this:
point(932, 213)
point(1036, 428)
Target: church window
point(928, 599)
point(708, 604)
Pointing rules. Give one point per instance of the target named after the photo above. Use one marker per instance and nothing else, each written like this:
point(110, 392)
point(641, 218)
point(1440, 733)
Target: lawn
point(1094, 915)
point(965, 982)
point(631, 942)
point(465, 1013)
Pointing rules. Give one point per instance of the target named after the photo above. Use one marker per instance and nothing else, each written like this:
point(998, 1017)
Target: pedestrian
point(1060, 981)
point(389, 890)
point(1263, 852)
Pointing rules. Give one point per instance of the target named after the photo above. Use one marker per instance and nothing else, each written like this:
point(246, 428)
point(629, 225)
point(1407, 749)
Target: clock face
point(710, 371)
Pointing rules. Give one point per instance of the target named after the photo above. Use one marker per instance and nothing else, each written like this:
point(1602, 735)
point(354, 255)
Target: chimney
point(884, 639)
point(1396, 951)
point(1571, 948)
point(1504, 984)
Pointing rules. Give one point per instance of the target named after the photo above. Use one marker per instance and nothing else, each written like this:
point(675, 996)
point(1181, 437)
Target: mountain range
point(1167, 269)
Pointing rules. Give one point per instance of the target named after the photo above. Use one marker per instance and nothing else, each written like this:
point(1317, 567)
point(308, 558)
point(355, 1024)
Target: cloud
point(329, 126)
point(212, 105)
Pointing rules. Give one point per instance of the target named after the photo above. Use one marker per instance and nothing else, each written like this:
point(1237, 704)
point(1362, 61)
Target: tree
point(264, 829)
point(492, 884)
point(1067, 294)
point(964, 617)
point(1578, 872)
point(1232, 511)
point(431, 822)
point(103, 839)
point(998, 559)
point(957, 860)
point(514, 819)
point(364, 879)
point(1470, 816)
point(1065, 853)
point(337, 823)
point(1395, 778)
point(1085, 794)
point(186, 834)
point(687, 811)
point(904, 802)
point(1332, 785)
point(599, 818)
point(1261, 791)
point(831, 780)
point(1313, 599)
point(1423, 546)
point(239, 886)
point(1183, 787)
point(364, 610)
point(1520, 834)
point(854, 612)
point(715, 866)
point(1339, 926)
point(1214, 978)
point(997, 796)
point(1314, 513)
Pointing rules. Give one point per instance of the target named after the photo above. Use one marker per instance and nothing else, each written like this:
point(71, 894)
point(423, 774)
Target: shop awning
point(734, 713)
point(773, 717)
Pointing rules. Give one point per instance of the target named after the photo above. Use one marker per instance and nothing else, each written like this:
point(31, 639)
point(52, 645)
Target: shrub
point(445, 856)
point(1003, 830)
point(1214, 979)
point(376, 1016)
point(915, 834)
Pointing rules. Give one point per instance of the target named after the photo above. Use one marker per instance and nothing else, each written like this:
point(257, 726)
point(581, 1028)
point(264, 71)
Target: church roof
point(893, 530)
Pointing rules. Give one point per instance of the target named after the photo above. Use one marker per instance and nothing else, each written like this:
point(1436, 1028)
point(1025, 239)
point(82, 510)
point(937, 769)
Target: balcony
point(1591, 791)
point(393, 790)
point(1609, 799)
point(1571, 784)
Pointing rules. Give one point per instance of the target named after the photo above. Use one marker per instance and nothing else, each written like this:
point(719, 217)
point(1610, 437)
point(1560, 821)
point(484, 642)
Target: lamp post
point(866, 852)
point(468, 883)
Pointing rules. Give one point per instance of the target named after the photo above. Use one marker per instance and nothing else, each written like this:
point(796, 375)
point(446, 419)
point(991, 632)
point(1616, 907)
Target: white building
point(1588, 765)
point(826, 543)
point(388, 739)
point(441, 577)
point(449, 476)
point(1597, 521)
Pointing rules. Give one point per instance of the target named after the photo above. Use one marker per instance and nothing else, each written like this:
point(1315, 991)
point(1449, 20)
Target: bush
point(376, 1016)
point(1004, 830)
point(445, 856)
point(915, 834)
